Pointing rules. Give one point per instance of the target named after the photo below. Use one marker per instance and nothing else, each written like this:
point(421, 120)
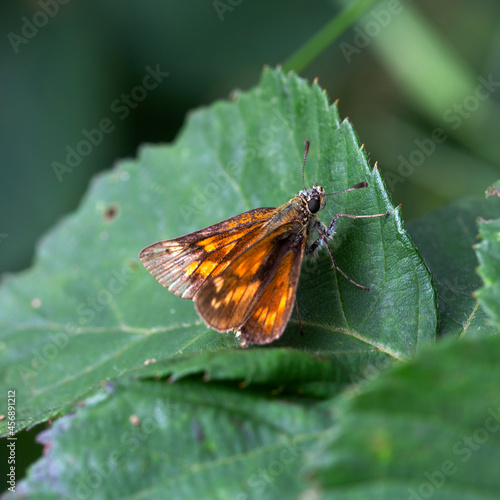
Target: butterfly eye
point(313, 205)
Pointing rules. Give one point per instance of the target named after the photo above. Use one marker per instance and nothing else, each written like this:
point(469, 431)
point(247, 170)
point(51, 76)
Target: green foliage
point(424, 430)
point(186, 440)
point(88, 311)
point(488, 255)
point(445, 239)
point(171, 407)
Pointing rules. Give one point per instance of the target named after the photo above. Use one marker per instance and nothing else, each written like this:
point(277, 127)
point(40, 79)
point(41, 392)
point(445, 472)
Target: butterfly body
point(242, 273)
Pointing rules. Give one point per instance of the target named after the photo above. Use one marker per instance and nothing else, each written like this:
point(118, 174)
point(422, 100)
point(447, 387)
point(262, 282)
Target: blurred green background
point(420, 82)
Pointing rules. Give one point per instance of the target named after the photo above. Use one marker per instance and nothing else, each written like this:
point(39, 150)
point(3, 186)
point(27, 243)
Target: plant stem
point(323, 38)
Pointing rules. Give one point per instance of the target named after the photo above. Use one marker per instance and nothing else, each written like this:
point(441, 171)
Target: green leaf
point(428, 429)
point(488, 255)
point(88, 311)
point(184, 440)
point(283, 370)
point(445, 238)
point(493, 190)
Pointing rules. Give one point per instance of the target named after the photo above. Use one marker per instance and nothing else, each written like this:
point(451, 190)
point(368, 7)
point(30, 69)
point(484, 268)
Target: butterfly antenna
point(357, 186)
point(306, 149)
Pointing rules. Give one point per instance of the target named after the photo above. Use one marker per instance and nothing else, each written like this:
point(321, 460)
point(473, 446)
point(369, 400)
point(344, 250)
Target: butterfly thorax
point(300, 210)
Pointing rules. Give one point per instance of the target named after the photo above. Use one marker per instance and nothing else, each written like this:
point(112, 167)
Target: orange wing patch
point(258, 286)
point(184, 264)
point(274, 308)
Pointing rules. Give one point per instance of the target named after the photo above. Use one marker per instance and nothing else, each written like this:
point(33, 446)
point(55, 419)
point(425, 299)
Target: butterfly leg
point(350, 216)
point(325, 233)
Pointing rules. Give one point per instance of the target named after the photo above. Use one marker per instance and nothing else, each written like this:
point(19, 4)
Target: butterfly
point(242, 273)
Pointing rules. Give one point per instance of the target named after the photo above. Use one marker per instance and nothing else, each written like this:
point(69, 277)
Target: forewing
point(255, 293)
point(184, 264)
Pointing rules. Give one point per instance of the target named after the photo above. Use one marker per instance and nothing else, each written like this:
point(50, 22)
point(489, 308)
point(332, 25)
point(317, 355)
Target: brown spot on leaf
point(111, 212)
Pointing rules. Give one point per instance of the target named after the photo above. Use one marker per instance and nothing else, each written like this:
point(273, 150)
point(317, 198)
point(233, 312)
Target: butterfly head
point(315, 198)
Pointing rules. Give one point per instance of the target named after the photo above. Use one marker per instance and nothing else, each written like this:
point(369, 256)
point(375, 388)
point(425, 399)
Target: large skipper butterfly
point(242, 273)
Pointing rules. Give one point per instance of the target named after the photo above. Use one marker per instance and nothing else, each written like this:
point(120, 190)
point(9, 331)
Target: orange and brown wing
point(184, 264)
point(255, 293)
point(274, 308)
